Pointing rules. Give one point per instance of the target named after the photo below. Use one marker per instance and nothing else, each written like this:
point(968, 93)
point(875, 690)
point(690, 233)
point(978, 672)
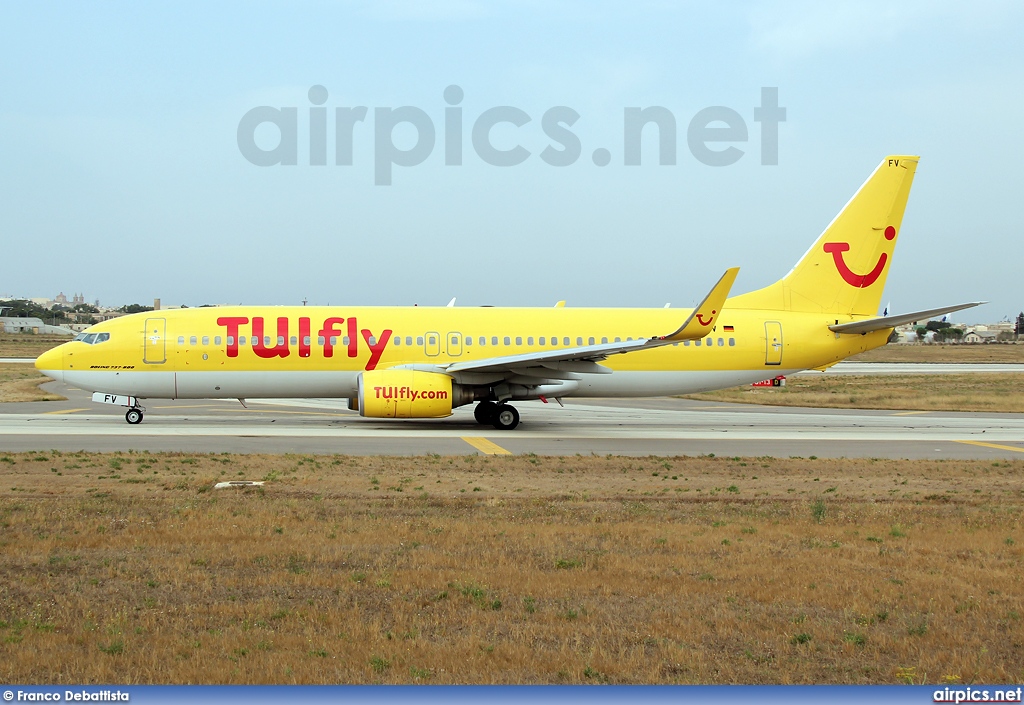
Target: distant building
point(11, 324)
point(981, 336)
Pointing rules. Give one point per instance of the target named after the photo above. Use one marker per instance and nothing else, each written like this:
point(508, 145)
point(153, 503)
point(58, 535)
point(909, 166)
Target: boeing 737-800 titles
point(422, 362)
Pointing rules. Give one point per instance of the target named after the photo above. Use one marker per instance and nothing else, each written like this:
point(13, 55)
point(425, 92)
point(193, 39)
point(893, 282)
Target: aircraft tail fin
point(844, 272)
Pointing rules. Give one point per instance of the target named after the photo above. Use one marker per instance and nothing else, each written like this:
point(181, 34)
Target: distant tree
point(135, 308)
point(936, 325)
point(1019, 328)
point(22, 308)
point(949, 333)
point(85, 308)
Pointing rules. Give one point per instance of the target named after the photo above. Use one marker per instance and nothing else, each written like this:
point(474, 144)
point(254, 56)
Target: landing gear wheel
point(133, 416)
point(484, 412)
point(505, 417)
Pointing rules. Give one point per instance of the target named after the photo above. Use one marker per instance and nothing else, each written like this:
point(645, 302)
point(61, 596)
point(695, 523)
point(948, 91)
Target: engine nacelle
point(409, 394)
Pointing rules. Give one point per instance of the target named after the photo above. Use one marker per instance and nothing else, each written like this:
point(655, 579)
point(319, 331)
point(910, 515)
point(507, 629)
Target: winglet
point(704, 316)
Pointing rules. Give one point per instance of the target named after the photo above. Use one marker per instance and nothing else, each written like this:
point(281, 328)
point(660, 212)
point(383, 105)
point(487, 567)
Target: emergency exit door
point(454, 344)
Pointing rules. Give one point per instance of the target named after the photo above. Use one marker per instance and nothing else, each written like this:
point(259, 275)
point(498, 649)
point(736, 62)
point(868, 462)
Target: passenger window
point(508, 341)
point(294, 340)
point(372, 340)
point(604, 340)
point(529, 341)
point(398, 340)
point(334, 340)
point(686, 343)
point(419, 340)
point(192, 340)
point(483, 340)
point(618, 339)
point(579, 341)
point(721, 342)
point(241, 340)
point(408, 340)
point(280, 340)
point(320, 340)
point(591, 341)
point(231, 340)
point(565, 341)
point(345, 340)
point(305, 340)
point(519, 340)
point(732, 342)
point(206, 340)
point(431, 340)
point(216, 340)
point(697, 342)
point(494, 340)
point(181, 340)
point(469, 340)
point(542, 339)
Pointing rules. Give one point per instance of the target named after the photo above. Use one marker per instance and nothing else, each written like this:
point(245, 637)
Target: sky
point(123, 178)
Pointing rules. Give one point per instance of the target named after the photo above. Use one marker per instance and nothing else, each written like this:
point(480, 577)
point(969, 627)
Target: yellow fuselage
point(319, 351)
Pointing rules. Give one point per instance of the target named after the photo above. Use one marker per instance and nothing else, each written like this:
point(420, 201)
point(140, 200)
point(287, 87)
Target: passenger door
point(773, 343)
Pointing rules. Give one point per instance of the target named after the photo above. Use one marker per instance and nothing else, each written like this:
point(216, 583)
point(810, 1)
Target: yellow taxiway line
point(65, 411)
point(485, 446)
point(909, 413)
point(993, 445)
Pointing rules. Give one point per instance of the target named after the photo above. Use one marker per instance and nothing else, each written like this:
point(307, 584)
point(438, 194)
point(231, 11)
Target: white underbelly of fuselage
point(321, 384)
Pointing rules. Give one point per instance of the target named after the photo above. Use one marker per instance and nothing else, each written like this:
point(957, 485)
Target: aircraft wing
point(873, 324)
point(699, 324)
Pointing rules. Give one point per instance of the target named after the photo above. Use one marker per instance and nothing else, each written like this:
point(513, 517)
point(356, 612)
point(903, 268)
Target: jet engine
point(409, 394)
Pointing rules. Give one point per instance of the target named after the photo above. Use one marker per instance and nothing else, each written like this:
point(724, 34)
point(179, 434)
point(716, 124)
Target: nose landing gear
point(134, 415)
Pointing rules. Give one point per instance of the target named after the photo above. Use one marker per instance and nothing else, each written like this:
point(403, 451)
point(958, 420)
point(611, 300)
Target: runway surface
point(660, 426)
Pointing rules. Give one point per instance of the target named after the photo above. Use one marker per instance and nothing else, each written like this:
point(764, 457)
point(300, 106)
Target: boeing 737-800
point(422, 362)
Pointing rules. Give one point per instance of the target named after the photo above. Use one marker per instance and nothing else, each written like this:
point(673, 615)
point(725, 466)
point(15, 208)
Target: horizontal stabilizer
point(873, 324)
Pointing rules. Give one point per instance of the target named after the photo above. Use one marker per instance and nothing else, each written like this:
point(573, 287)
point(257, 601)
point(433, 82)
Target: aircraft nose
point(51, 363)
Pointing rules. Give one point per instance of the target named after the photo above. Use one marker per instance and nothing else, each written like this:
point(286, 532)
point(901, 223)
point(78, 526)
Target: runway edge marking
point(485, 446)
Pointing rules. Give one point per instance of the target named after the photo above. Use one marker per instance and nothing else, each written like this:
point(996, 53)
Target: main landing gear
point(134, 415)
point(503, 417)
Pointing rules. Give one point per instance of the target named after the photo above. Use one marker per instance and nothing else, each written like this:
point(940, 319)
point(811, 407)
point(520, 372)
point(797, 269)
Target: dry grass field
point(129, 568)
point(25, 345)
point(1002, 393)
point(1005, 353)
point(20, 382)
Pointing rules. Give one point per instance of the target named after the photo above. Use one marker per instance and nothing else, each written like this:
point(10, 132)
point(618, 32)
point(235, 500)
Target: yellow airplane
point(422, 362)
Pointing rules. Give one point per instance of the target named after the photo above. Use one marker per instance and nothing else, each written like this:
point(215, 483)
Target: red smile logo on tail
point(860, 281)
point(700, 319)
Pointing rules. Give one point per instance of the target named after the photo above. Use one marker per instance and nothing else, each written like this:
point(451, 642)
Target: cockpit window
point(93, 338)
